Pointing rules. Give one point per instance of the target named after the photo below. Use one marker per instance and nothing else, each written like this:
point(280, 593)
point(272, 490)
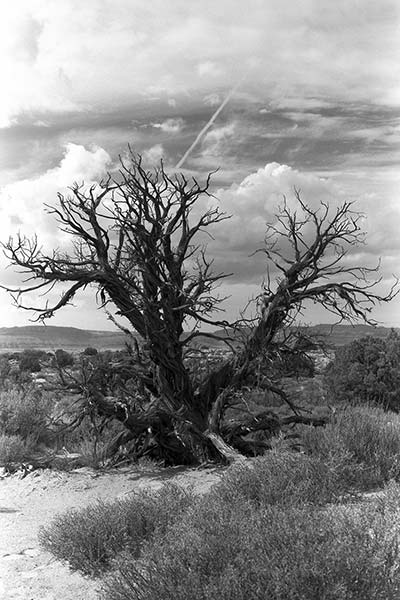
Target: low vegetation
point(25, 413)
point(13, 450)
point(362, 443)
point(244, 540)
point(24, 425)
point(243, 553)
point(281, 478)
point(291, 524)
point(90, 538)
point(367, 371)
point(279, 526)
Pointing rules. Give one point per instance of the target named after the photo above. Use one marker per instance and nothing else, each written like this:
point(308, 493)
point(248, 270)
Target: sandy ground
point(29, 573)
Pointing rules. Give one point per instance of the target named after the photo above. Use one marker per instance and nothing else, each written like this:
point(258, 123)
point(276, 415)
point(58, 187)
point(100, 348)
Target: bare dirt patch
point(29, 573)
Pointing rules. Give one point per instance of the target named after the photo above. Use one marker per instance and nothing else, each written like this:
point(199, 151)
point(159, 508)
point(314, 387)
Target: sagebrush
point(91, 537)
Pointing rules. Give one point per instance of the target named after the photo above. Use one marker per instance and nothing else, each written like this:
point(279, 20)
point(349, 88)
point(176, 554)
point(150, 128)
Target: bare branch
point(135, 241)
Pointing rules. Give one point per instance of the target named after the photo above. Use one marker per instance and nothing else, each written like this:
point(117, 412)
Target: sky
point(315, 98)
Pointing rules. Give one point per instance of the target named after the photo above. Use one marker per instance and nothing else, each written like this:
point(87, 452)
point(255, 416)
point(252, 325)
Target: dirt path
point(29, 573)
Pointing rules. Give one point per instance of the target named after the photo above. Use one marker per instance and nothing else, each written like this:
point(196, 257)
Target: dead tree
point(136, 240)
point(312, 268)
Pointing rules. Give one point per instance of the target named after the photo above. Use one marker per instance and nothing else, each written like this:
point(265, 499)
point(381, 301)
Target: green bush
point(239, 552)
point(362, 444)
point(25, 413)
point(90, 538)
point(285, 478)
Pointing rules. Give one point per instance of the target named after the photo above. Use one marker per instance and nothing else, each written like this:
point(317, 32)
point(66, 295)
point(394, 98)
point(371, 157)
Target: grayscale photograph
point(200, 300)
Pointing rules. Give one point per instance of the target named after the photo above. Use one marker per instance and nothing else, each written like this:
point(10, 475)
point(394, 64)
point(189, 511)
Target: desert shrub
point(239, 552)
point(361, 442)
point(96, 452)
point(285, 478)
point(89, 538)
point(13, 450)
point(89, 351)
point(85, 436)
point(293, 364)
point(5, 369)
point(29, 361)
point(25, 413)
point(366, 371)
point(63, 359)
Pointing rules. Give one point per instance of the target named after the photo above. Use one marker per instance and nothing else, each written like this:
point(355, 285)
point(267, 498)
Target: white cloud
point(170, 125)
point(252, 204)
point(215, 140)
point(21, 202)
point(208, 69)
point(68, 56)
point(40, 123)
point(212, 100)
point(305, 103)
point(153, 155)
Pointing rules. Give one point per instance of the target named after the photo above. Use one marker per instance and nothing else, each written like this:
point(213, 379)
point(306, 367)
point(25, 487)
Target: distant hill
point(50, 338)
point(332, 335)
point(71, 338)
point(340, 335)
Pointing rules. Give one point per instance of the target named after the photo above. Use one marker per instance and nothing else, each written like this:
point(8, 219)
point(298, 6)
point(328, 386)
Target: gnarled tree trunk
point(133, 239)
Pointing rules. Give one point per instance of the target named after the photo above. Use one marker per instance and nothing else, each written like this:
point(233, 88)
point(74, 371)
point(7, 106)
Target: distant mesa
point(51, 337)
point(71, 338)
point(340, 335)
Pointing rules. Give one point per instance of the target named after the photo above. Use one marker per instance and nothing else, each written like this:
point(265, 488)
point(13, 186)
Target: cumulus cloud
point(153, 155)
point(215, 140)
point(21, 202)
point(22, 209)
point(252, 204)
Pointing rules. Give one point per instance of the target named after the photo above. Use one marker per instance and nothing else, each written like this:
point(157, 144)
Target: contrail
point(208, 125)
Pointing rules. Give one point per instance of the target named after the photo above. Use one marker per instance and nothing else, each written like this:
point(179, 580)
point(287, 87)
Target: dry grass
point(284, 478)
point(235, 551)
point(362, 443)
point(13, 450)
point(90, 538)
